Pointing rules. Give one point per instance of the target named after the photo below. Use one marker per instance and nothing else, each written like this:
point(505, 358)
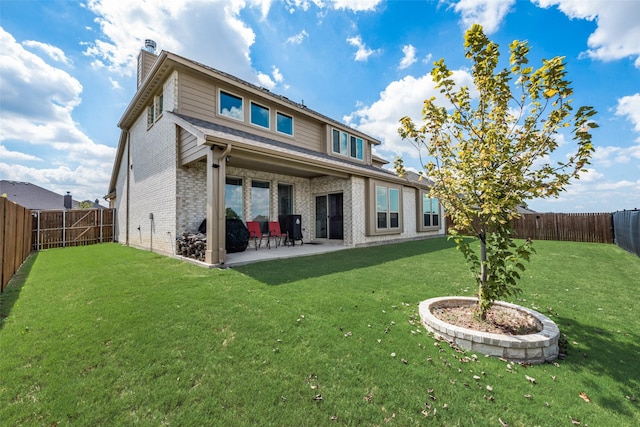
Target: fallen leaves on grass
point(530, 379)
point(502, 423)
point(584, 396)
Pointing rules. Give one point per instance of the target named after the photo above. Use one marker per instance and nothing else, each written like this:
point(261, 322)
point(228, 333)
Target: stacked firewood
point(192, 245)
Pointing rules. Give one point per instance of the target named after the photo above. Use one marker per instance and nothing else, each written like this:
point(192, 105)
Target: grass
point(109, 335)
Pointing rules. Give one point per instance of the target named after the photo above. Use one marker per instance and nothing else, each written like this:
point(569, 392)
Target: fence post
point(38, 243)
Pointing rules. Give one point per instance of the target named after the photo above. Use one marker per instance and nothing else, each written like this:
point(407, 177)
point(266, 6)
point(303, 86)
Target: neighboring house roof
point(33, 197)
point(524, 210)
point(416, 178)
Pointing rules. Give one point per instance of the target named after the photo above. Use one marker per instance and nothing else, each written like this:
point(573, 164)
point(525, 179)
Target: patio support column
point(216, 174)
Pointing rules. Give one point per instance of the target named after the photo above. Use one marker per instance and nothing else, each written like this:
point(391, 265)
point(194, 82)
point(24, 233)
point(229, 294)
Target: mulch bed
point(500, 320)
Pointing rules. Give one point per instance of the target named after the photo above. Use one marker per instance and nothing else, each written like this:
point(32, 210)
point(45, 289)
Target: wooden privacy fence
point(72, 227)
point(570, 227)
point(15, 238)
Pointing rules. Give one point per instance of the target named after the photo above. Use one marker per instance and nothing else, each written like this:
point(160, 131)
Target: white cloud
point(52, 52)
point(629, 106)
point(15, 155)
point(618, 32)
point(180, 26)
point(352, 5)
point(115, 84)
point(31, 86)
point(363, 53)
point(610, 155)
point(400, 98)
point(298, 38)
point(36, 105)
point(593, 192)
point(355, 5)
point(293, 5)
point(271, 81)
point(488, 13)
point(84, 183)
point(409, 57)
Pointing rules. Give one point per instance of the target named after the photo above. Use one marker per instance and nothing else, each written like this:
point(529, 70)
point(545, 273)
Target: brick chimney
point(146, 58)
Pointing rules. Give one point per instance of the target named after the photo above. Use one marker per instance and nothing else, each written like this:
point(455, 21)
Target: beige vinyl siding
point(188, 149)
point(198, 94)
point(307, 133)
point(196, 97)
point(145, 62)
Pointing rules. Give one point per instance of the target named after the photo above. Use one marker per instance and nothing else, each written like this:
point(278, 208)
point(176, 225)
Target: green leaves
point(488, 154)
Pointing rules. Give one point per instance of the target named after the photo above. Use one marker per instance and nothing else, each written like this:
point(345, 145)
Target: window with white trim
point(347, 145)
point(259, 115)
point(159, 106)
point(284, 123)
point(230, 105)
point(150, 115)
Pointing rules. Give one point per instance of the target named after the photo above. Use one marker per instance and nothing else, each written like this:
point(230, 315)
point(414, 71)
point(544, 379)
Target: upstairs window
point(259, 115)
point(284, 123)
point(150, 115)
point(159, 101)
point(231, 106)
point(347, 145)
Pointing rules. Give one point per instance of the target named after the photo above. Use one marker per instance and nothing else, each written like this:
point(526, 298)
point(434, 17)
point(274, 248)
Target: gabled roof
point(32, 196)
point(240, 139)
point(168, 61)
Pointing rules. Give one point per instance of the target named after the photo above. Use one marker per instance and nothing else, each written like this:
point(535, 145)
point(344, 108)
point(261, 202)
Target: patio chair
point(255, 233)
point(274, 231)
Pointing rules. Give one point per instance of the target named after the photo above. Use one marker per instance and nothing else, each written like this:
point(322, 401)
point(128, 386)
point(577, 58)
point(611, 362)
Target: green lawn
point(109, 335)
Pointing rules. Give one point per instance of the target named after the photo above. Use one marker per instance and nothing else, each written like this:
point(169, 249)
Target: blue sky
point(67, 73)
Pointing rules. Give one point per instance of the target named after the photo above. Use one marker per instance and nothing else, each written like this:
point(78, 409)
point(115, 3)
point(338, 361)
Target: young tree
point(489, 153)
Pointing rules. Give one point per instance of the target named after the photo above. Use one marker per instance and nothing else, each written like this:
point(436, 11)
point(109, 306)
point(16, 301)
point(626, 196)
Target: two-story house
point(197, 143)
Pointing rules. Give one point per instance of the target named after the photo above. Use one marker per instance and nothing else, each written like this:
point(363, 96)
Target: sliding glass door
point(329, 217)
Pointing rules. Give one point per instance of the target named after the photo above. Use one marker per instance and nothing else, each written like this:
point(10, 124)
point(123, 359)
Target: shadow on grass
point(605, 353)
point(11, 292)
point(278, 272)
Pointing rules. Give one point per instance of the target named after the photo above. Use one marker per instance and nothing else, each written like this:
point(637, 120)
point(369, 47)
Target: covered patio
point(264, 254)
point(250, 255)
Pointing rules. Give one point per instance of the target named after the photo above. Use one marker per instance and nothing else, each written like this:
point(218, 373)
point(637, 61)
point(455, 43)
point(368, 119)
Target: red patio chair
point(274, 231)
point(255, 233)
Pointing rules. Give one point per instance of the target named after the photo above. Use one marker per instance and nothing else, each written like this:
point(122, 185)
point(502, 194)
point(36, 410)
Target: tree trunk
point(482, 314)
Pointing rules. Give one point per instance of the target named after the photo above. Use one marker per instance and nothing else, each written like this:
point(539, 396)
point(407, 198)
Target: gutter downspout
point(128, 200)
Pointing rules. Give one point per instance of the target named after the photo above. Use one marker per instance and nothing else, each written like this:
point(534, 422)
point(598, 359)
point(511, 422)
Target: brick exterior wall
point(191, 202)
point(153, 180)
point(176, 196)
point(191, 197)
